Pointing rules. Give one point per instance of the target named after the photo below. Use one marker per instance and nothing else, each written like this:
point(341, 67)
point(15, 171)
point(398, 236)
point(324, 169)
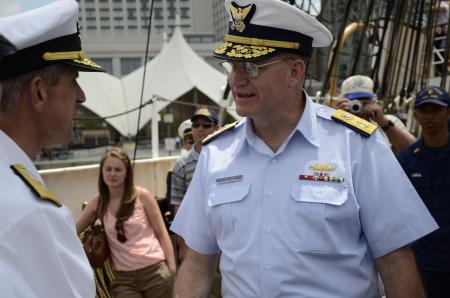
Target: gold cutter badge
point(322, 172)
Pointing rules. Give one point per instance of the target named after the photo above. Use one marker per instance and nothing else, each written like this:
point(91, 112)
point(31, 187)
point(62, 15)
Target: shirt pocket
point(316, 204)
point(228, 214)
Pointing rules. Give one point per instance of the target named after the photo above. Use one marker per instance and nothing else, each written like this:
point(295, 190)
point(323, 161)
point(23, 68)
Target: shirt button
point(269, 230)
point(270, 194)
point(274, 160)
point(266, 268)
point(318, 194)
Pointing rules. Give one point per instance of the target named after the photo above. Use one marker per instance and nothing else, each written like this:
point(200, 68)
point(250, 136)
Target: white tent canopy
point(175, 71)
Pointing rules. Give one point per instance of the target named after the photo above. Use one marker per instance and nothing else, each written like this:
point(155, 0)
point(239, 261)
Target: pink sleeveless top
point(141, 249)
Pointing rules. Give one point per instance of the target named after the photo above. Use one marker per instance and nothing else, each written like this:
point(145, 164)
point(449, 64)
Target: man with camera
point(359, 99)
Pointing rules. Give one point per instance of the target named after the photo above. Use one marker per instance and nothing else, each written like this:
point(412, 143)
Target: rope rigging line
point(149, 29)
point(414, 50)
point(376, 69)
point(180, 102)
point(360, 42)
point(392, 46)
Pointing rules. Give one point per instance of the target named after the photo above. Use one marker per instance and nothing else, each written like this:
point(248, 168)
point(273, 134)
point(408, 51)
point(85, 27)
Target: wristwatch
point(387, 126)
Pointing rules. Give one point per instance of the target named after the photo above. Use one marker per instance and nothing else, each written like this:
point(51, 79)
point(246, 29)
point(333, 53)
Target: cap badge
point(203, 111)
point(241, 15)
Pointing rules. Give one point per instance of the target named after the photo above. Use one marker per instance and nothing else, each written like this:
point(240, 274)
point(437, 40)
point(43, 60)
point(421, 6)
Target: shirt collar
point(194, 153)
point(11, 153)
point(307, 126)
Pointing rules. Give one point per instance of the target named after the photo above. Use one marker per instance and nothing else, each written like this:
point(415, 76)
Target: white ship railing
point(74, 185)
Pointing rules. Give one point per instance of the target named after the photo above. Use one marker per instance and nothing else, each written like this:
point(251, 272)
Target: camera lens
point(356, 106)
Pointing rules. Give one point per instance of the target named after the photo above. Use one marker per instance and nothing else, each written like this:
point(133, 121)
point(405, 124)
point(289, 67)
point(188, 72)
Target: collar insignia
point(241, 15)
point(36, 186)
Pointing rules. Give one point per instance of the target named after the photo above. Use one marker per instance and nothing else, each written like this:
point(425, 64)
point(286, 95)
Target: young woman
point(141, 250)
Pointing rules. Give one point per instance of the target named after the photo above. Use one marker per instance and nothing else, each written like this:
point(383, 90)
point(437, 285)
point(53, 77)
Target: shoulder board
point(36, 186)
point(219, 132)
point(364, 127)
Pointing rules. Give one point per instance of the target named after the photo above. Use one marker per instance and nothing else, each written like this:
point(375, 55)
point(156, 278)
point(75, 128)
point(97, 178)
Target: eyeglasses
point(249, 69)
point(120, 231)
point(203, 125)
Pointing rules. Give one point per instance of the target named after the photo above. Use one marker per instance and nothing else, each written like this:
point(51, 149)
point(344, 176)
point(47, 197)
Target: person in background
point(185, 133)
point(358, 98)
point(427, 164)
point(141, 250)
point(40, 253)
point(204, 122)
point(298, 199)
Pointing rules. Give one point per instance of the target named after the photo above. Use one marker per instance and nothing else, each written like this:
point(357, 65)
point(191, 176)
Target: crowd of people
point(295, 200)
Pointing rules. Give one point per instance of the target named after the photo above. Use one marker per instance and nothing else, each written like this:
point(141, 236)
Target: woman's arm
point(87, 216)
point(156, 221)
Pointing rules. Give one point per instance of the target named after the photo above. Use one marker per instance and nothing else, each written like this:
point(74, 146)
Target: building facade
point(115, 31)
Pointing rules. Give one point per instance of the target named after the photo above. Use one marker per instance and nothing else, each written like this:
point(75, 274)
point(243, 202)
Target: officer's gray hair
point(12, 87)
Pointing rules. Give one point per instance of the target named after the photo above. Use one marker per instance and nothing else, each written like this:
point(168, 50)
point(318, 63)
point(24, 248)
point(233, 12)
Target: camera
point(356, 106)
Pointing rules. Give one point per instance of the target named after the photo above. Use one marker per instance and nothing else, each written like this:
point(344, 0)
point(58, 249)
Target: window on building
point(106, 63)
point(172, 11)
point(158, 13)
point(184, 12)
point(130, 64)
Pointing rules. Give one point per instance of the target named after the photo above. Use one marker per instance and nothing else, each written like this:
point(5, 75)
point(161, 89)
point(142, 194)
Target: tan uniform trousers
point(155, 281)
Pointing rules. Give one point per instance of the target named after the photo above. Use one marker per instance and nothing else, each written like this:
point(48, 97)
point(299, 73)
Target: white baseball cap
point(186, 124)
point(355, 87)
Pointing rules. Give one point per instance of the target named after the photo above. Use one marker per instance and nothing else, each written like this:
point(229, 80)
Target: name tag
point(229, 179)
point(416, 175)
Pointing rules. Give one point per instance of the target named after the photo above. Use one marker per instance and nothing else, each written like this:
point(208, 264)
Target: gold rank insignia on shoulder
point(219, 132)
point(38, 188)
point(364, 127)
point(241, 15)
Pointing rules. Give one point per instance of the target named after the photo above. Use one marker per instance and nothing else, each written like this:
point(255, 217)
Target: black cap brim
point(6, 47)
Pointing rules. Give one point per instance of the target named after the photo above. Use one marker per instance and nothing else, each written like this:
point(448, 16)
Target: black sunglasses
point(120, 231)
point(204, 125)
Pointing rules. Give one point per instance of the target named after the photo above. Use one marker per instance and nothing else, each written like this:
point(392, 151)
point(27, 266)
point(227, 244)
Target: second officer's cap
point(44, 36)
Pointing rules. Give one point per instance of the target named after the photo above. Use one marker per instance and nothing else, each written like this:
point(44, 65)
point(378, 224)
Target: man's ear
point(297, 71)
point(37, 93)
